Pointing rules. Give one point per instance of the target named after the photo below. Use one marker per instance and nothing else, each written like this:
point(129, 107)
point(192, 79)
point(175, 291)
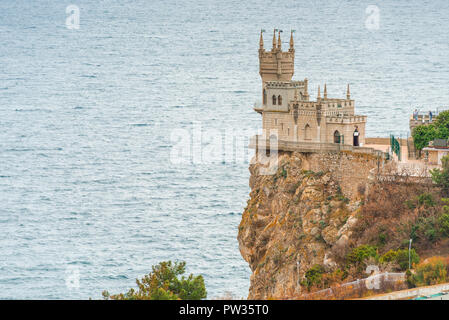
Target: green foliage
point(163, 284)
point(431, 234)
point(358, 255)
point(442, 120)
point(425, 228)
point(439, 129)
point(283, 173)
point(390, 256)
point(314, 275)
point(441, 176)
point(429, 273)
point(382, 239)
point(410, 204)
point(400, 257)
point(426, 199)
point(443, 223)
point(422, 135)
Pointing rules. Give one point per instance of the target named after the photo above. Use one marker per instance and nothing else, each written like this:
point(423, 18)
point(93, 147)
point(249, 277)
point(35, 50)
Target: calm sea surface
point(90, 197)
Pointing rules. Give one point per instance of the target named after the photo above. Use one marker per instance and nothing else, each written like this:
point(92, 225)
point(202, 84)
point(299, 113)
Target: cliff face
point(300, 217)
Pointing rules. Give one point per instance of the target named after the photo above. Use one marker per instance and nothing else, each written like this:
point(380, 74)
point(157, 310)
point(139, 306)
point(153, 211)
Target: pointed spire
point(261, 40)
point(319, 94)
point(348, 93)
point(279, 40)
point(325, 91)
point(306, 89)
point(292, 43)
point(274, 40)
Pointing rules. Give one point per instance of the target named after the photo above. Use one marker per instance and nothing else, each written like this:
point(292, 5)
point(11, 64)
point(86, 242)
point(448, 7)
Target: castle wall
point(305, 129)
point(346, 130)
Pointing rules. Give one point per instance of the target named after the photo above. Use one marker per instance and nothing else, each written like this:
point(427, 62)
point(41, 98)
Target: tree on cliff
point(439, 129)
point(441, 176)
point(163, 284)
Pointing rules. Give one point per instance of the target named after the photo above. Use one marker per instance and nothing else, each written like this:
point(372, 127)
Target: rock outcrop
point(300, 216)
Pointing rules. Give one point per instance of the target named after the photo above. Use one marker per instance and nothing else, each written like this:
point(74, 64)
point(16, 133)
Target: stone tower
point(276, 65)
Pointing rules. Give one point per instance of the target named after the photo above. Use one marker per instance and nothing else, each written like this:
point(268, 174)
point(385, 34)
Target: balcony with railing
point(260, 142)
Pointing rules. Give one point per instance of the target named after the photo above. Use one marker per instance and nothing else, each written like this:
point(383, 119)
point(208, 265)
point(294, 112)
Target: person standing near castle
point(356, 137)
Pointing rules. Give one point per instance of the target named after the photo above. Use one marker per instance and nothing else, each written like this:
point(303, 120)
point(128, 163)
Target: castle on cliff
point(287, 109)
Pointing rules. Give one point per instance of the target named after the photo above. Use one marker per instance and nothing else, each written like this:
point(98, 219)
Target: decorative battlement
point(276, 65)
point(286, 84)
point(346, 119)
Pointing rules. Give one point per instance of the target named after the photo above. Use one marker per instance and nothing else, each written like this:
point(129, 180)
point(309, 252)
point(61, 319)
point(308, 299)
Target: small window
point(274, 100)
point(337, 137)
point(264, 96)
point(307, 132)
point(279, 100)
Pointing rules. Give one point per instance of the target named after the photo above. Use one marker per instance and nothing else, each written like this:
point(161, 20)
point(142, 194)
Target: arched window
point(337, 136)
point(274, 100)
point(279, 100)
point(264, 96)
point(307, 132)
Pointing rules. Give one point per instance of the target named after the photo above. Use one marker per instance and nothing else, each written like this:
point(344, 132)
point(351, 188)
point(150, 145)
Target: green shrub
point(410, 204)
point(422, 135)
point(163, 284)
point(426, 199)
point(382, 239)
point(443, 223)
point(441, 176)
point(314, 275)
point(431, 235)
point(283, 173)
point(358, 255)
point(400, 257)
point(425, 228)
point(390, 256)
point(429, 273)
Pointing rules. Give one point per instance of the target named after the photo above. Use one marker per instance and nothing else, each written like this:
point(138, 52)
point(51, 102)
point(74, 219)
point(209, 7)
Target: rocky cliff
point(300, 217)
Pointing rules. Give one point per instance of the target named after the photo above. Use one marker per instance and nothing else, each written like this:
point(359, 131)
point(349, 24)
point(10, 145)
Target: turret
point(292, 43)
point(279, 41)
point(276, 65)
point(325, 92)
point(274, 41)
point(318, 98)
point(306, 89)
point(348, 93)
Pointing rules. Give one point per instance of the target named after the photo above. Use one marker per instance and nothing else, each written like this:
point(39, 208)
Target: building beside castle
point(287, 108)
